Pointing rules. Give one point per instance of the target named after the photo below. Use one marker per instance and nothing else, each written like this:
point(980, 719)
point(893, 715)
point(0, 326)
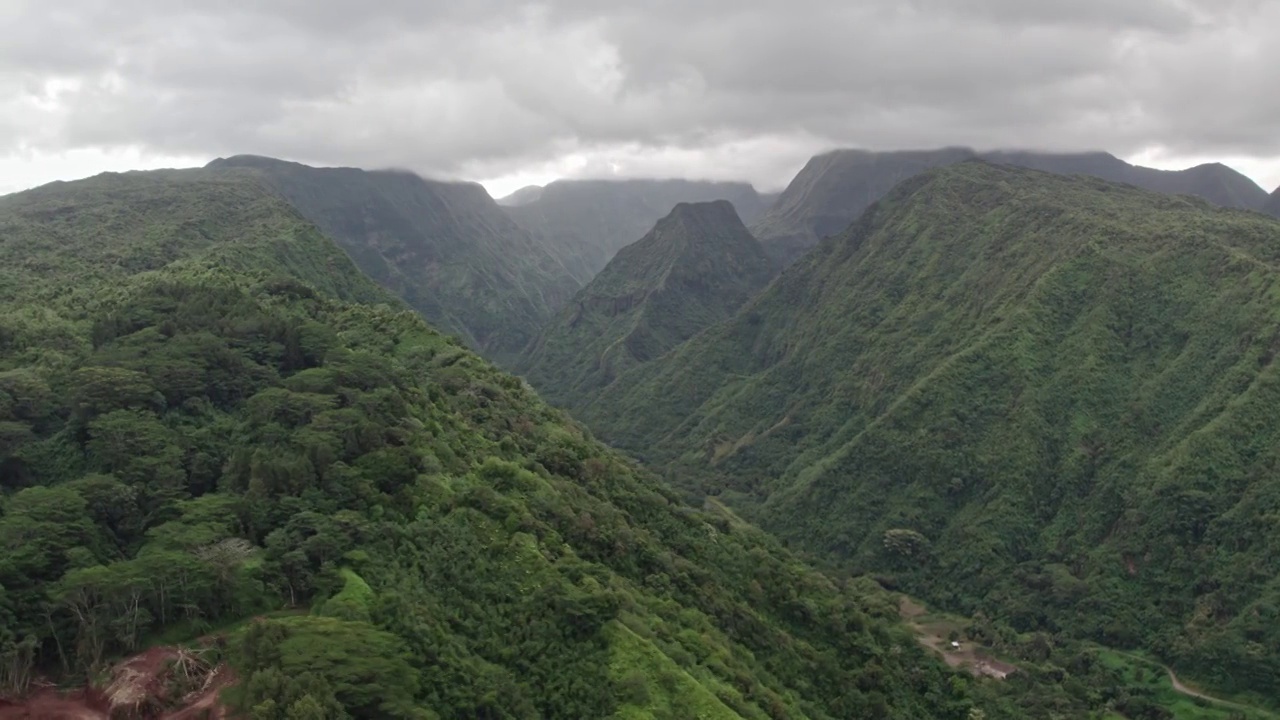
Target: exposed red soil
point(47, 704)
point(138, 690)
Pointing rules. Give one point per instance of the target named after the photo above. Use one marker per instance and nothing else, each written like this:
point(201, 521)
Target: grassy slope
point(1066, 386)
point(363, 454)
point(694, 269)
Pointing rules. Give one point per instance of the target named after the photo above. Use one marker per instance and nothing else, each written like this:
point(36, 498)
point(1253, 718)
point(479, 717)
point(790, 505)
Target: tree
point(905, 543)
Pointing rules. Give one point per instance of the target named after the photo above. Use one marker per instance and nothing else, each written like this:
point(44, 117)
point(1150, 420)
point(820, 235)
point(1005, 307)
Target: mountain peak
point(712, 212)
point(696, 267)
point(594, 219)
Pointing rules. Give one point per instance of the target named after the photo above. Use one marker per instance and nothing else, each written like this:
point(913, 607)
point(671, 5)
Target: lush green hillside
point(446, 248)
point(1273, 204)
point(590, 220)
point(694, 269)
point(834, 188)
point(64, 242)
point(197, 429)
point(1049, 400)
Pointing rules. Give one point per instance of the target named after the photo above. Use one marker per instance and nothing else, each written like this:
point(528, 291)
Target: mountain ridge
point(446, 248)
point(835, 187)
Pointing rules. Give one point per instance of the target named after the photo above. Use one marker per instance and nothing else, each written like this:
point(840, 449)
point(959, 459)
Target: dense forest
point(220, 438)
point(207, 414)
point(1046, 400)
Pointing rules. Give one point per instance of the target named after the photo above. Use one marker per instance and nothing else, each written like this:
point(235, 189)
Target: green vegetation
point(834, 188)
point(1048, 400)
point(1273, 203)
point(1055, 676)
point(695, 268)
point(445, 248)
point(205, 420)
point(1152, 691)
point(588, 221)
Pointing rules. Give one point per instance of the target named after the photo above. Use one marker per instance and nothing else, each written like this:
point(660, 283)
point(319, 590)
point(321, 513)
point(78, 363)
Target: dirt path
point(1178, 686)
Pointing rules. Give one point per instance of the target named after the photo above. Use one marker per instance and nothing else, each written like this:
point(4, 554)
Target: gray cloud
point(713, 88)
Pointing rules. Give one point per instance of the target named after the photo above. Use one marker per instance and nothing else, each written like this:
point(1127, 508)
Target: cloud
point(711, 88)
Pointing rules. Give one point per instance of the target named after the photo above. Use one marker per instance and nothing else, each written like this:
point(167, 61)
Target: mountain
point(214, 431)
point(593, 219)
point(1273, 204)
point(446, 248)
point(1214, 182)
point(834, 188)
point(693, 269)
point(1048, 400)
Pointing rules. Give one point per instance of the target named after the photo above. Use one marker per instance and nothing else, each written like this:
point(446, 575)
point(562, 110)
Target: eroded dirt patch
point(143, 687)
point(935, 633)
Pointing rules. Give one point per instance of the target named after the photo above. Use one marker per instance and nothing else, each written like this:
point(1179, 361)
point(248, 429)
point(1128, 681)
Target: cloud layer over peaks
point(705, 88)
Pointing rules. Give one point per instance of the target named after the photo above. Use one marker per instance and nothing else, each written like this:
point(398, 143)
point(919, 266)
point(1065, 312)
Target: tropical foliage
point(208, 416)
point(1048, 400)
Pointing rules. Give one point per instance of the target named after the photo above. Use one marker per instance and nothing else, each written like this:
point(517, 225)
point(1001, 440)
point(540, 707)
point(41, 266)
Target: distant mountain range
point(834, 188)
point(446, 248)
point(695, 268)
point(590, 220)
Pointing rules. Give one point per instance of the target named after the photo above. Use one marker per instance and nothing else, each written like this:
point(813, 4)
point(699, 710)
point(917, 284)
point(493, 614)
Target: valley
point(791, 449)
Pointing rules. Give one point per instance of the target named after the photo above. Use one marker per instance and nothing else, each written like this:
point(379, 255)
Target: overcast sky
point(511, 93)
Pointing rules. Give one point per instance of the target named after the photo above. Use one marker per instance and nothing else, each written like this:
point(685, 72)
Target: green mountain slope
point(834, 188)
point(1273, 204)
point(201, 422)
point(693, 269)
point(446, 248)
point(1046, 399)
point(64, 242)
point(592, 219)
